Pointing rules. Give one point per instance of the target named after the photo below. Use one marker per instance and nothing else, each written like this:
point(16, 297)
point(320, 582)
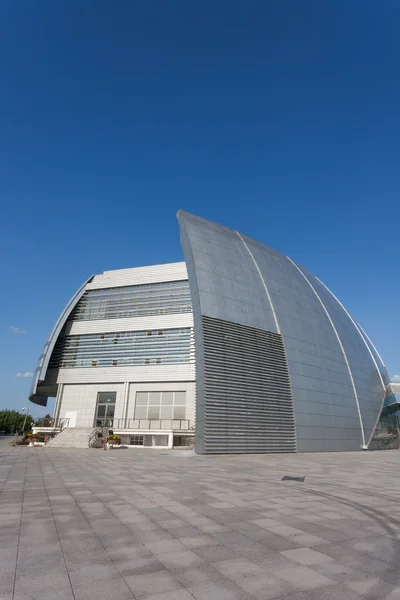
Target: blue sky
point(280, 119)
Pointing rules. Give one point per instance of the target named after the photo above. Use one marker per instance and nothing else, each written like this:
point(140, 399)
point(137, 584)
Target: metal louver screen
point(247, 397)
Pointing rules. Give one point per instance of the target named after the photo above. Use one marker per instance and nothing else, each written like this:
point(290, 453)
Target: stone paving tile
point(219, 591)
point(174, 560)
point(175, 595)
point(303, 578)
point(265, 587)
point(149, 584)
point(198, 575)
point(162, 546)
point(236, 568)
point(336, 571)
point(83, 524)
point(198, 541)
point(306, 556)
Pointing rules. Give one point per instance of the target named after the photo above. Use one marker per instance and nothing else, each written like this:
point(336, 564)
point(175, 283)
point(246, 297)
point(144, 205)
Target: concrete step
point(72, 437)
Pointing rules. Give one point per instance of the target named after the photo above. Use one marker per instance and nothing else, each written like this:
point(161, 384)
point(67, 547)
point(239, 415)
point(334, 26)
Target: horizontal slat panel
point(248, 403)
point(139, 275)
point(142, 373)
point(130, 324)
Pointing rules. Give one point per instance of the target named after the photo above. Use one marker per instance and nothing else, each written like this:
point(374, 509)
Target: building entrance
point(105, 409)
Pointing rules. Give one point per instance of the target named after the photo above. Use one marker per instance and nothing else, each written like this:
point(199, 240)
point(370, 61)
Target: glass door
point(105, 409)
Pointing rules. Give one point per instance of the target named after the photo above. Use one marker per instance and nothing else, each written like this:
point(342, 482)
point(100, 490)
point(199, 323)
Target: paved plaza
point(123, 524)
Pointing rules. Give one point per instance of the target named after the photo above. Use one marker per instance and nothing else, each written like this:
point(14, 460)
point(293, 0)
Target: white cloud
point(17, 330)
point(395, 379)
point(23, 375)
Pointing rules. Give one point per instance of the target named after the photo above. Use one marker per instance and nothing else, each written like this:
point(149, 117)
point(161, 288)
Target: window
point(134, 301)
point(174, 346)
point(136, 440)
point(160, 405)
point(114, 363)
point(155, 440)
point(183, 440)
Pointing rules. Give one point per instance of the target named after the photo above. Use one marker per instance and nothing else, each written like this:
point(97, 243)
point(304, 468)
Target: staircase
point(72, 437)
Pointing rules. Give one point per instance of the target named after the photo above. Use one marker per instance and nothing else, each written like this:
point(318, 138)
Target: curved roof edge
point(41, 369)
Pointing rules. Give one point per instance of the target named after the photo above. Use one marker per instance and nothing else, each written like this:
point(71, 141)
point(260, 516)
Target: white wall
point(130, 324)
point(83, 398)
point(139, 275)
point(177, 386)
point(138, 373)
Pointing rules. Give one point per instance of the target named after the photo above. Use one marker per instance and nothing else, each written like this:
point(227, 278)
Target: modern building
point(237, 346)
point(388, 428)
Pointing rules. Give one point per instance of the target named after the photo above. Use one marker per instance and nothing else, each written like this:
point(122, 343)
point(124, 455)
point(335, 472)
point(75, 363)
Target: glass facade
point(160, 405)
point(134, 301)
point(151, 347)
point(386, 434)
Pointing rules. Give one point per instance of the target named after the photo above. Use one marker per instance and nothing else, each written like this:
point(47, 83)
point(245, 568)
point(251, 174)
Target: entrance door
point(105, 409)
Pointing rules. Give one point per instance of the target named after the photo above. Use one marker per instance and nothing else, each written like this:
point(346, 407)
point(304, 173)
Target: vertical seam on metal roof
point(263, 282)
point(340, 344)
point(358, 329)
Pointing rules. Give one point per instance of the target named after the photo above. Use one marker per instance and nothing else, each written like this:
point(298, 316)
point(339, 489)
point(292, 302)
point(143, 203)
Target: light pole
point(27, 409)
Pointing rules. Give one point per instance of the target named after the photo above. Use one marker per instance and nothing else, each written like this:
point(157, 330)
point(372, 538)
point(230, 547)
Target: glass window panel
point(136, 440)
point(179, 412)
point(107, 396)
point(167, 398)
point(101, 410)
point(141, 412)
point(166, 412)
point(160, 440)
point(154, 412)
point(132, 347)
point(180, 398)
point(141, 398)
point(154, 398)
point(156, 298)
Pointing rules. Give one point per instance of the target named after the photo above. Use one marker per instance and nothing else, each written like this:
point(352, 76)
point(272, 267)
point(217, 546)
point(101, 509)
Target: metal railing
point(59, 424)
point(167, 424)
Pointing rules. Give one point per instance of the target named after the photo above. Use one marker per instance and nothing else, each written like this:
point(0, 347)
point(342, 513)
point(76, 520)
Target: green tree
point(12, 421)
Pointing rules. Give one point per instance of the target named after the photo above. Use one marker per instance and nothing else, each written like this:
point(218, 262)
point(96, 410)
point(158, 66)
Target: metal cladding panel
point(228, 284)
point(139, 275)
point(336, 378)
point(247, 401)
point(369, 384)
point(130, 324)
point(183, 372)
point(41, 369)
point(322, 390)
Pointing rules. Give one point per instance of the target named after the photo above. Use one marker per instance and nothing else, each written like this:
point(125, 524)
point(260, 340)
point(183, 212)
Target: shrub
point(114, 439)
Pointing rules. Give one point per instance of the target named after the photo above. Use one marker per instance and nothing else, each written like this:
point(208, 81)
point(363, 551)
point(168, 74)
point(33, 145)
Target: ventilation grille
point(247, 398)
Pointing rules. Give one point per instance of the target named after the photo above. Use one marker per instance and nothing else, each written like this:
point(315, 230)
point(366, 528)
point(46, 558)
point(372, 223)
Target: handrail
point(176, 424)
point(93, 436)
point(60, 423)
